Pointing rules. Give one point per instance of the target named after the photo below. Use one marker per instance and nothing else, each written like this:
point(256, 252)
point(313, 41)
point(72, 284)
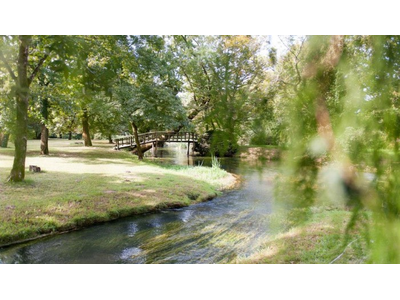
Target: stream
point(231, 226)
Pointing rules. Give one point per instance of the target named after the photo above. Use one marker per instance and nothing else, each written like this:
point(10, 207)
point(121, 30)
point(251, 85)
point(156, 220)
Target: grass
point(320, 240)
point(82, 186)
point(216, 164)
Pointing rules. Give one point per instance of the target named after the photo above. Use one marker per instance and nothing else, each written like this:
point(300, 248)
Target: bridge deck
point(157, 136)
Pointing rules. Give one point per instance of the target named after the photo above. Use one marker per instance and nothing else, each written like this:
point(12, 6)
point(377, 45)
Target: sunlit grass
point(320, 240)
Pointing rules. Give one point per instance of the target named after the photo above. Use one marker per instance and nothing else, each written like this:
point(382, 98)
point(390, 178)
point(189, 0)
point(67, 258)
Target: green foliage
point(115, 80)
point(223, 75)
point(95, 74)
point(343, 119)
point(148, 97)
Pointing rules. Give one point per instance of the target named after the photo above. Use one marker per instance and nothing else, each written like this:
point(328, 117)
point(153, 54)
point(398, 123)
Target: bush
point(217, 143)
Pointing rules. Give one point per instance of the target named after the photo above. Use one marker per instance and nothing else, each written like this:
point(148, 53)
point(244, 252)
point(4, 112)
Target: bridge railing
point(156, 136)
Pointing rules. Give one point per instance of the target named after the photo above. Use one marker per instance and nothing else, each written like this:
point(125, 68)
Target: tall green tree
point(148, 97)
point(27, 67)
point(23, 57)
point(96, 67)
point(221, 73)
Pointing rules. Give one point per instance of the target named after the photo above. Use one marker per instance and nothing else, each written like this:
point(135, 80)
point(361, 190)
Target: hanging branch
point(297, 61)
point(36, 70)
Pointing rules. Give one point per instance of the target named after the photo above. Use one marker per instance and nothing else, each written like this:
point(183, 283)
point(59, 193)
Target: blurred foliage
point(342, 128)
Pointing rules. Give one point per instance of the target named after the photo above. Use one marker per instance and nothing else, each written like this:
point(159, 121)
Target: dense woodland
point(330, 102)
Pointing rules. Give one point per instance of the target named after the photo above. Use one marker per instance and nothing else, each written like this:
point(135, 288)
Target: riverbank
point(320, 240)
point(81, 186)
point(262, 153)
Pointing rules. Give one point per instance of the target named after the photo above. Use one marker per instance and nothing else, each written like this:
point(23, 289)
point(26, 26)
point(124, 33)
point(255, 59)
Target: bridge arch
point(128, 142)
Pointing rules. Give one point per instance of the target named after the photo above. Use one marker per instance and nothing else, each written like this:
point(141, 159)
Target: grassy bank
point(320, 240)
point(82, 186)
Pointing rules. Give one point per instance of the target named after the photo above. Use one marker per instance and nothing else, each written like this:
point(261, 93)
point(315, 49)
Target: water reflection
point(218, 231)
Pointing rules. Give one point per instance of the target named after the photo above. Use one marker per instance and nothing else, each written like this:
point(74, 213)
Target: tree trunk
point(138, 147)
point(44, 136)
point(70, 135)
point(4, 140)
point(143, 148)
point(18, 169)
point(44, 141)
point(21, 128)
point(85, 126)
point(110, 141)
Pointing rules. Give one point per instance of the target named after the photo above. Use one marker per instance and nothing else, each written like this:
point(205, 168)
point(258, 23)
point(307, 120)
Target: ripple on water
point(132, 229)
point(129, 252)
point(186, 215)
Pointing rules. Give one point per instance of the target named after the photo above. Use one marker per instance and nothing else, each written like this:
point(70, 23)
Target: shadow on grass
point(84, 155)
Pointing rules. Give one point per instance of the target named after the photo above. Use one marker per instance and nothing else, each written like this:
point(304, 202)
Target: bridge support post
point(188, 148)
point(192, 150)
point(154, 149)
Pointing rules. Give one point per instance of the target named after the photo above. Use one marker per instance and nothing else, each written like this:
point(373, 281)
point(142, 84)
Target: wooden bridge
point(154, 138)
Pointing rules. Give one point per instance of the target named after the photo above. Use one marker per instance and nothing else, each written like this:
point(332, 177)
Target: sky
point(278, 42)
point(275, 41)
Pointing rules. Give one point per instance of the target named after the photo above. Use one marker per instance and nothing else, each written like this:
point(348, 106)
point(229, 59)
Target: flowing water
point(231, 226)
